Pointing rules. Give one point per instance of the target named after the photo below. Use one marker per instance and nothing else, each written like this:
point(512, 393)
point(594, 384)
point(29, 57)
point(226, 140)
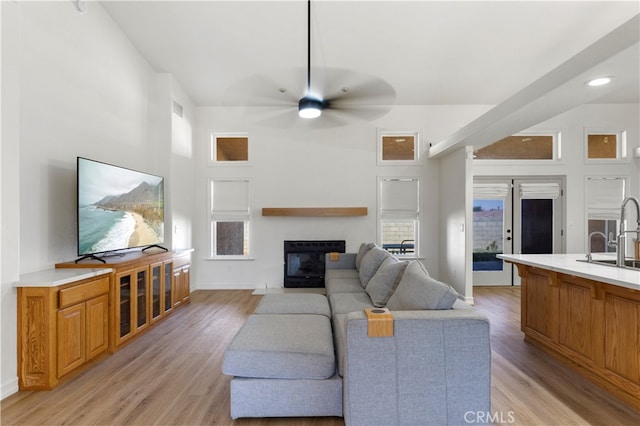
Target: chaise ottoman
point(282, 360)
point(294, 303)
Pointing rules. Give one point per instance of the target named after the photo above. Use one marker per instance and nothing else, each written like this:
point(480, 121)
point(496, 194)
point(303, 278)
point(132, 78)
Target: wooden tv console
point(71, 316)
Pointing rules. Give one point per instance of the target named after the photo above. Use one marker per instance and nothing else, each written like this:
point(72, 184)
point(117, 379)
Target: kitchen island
point(586, 315)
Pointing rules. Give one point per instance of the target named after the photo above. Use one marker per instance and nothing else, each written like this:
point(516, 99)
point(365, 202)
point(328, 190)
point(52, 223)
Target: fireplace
point(304, 261)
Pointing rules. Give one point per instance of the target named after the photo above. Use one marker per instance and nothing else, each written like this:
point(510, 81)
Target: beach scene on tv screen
point(118, 208)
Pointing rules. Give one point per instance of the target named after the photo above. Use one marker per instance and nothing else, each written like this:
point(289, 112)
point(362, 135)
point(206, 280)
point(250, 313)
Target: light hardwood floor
point(172, 375)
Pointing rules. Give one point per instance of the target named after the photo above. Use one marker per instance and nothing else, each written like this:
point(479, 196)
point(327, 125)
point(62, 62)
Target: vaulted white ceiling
point(246, 53)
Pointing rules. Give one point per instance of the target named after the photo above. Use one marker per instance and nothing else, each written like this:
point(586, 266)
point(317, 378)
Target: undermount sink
point(628, 263)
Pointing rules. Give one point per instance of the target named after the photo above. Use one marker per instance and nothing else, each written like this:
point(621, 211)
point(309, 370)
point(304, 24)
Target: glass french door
point(492, 230)
point(522, 215)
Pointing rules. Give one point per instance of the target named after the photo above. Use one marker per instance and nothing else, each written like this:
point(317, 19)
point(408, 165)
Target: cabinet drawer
point(72, 295)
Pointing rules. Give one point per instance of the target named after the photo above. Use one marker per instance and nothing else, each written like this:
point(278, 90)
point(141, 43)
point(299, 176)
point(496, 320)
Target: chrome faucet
point(589, 258)
point(621, 242)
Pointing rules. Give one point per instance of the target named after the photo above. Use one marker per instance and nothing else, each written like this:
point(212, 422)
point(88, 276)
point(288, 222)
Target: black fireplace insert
point(304, 261)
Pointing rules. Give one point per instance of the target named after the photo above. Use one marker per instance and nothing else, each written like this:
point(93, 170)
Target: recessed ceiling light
point(600, 81)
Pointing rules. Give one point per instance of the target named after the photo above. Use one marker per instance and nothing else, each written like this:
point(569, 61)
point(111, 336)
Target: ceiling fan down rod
point(308, 106)
point(308, 46)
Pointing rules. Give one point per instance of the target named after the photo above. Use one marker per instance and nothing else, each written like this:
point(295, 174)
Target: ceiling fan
point(338, 95)
point(311, 106)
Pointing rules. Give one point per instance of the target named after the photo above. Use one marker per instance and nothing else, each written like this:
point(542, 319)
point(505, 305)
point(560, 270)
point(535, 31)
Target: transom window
point(401, 147)
point(229, 149)
point(522, 146)
point(605, 145)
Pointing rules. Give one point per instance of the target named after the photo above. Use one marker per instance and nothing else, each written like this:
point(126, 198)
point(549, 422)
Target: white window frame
point(230, 213)
point(387, 214)
point(417, 150)
point(621, 145)
point(213, 149)
point(611, 213)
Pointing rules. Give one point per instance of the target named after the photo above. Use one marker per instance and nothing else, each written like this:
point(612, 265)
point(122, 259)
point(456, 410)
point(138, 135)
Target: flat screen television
point(118, 208)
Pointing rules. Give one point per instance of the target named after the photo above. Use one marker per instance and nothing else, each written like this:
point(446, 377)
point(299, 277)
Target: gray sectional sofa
point(309, 355)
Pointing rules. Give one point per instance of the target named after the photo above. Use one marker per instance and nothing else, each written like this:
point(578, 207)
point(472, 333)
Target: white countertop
point(58, 276)
point(568, 264)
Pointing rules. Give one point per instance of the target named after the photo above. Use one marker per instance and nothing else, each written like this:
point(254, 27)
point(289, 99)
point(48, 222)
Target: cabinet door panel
point(97, 326)
point(168, 286)
point(124, 309)
point(576, 318)
point(156, 291)
point(142, 299)
point(622, 319)
point(71, 340)
point(186, 286)
point(536, 294)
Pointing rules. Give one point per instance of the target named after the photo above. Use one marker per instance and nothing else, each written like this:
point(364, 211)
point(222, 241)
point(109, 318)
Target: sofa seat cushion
point(331, 274)
point(343, 285)
point(417, 290)
point(294, 303)
point(342, 303)
point(283, 346)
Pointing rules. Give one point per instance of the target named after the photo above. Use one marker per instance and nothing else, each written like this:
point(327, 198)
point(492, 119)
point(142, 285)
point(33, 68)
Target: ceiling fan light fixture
point(310, 107)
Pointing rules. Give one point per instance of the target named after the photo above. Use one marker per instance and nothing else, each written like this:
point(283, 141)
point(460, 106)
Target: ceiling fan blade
point(276, 89)
point(361, 112)
point(348, 95)
point(365, 90)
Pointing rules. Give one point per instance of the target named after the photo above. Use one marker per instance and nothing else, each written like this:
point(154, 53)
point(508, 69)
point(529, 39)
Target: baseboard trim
point(9, 387)
point(282, 290)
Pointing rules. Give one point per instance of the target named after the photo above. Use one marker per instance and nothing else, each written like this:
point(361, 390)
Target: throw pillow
point(385, 281)
point(364, 249)
point(417, 290)
point(370, 264)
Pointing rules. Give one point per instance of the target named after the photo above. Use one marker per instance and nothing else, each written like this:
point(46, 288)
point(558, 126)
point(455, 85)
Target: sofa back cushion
point(383, 283)
point(417, 290)
point(370, 264)
point(364, 249)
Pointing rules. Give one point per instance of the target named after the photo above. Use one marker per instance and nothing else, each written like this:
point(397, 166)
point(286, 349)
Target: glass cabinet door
point(156, 291)
point(141, 297)
point(124, 283)
point(168, 280)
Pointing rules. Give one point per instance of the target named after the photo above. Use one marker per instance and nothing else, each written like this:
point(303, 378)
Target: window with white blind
point(604, 197)
point(398, 215)
point(230, 218)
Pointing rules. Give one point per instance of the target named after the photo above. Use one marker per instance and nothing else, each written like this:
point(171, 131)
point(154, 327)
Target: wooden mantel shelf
point(314, 211)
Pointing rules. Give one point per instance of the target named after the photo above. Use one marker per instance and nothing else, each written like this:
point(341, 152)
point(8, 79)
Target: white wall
point(79, 88)
point(306, 166)
point(9, 201)
point(175, 136)
point(455, 221)
point(572, 126)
